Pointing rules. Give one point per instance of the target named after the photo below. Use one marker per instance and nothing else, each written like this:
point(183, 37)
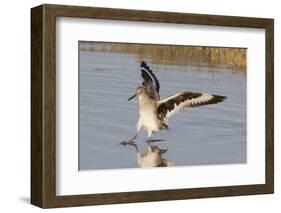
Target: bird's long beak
point(132, 97)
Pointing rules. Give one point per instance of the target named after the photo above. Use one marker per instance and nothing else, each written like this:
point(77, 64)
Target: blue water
point(213, 134)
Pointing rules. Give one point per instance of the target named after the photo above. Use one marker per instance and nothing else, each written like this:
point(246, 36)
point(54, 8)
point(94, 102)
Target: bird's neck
point(145, 101)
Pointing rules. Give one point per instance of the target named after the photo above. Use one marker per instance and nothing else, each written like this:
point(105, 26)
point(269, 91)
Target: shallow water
point(213, 134)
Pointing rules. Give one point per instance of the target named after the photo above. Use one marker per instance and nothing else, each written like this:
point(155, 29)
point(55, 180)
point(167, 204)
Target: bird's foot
point(128, 142)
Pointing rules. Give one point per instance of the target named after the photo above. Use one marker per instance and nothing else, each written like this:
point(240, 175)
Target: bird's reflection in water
point(152, 157)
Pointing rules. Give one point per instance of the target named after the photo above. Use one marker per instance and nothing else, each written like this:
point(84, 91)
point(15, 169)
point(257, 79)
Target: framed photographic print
point(135, 106)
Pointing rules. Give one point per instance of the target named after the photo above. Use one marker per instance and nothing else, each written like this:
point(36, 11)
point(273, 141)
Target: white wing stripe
point(168, 98)
point(205, 97)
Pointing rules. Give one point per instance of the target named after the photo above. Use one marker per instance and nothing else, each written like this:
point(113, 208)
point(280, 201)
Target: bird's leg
point(135, 136)
point(138, 127)
point(130, 141)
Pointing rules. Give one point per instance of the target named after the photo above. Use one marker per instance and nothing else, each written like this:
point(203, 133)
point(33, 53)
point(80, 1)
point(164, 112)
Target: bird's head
point(140, 91)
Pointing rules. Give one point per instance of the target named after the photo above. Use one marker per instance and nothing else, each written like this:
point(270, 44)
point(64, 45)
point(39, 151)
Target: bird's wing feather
point(171, 105)
point(150, 81)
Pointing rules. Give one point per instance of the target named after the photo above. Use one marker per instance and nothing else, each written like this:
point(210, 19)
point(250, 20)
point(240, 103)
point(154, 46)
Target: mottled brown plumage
point(154, 113)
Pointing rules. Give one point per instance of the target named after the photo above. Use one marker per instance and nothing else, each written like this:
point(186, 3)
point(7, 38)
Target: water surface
point(213, 134)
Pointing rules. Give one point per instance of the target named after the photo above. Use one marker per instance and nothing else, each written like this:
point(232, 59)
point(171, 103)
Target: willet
point(152, 157)
point(154, 113)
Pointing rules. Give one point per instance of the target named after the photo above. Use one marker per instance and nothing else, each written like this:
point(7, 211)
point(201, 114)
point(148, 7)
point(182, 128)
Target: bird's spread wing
point(171, 105)
point(150, 81)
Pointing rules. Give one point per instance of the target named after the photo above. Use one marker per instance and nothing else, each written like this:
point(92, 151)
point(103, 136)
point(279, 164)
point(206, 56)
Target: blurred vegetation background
point(213, 57)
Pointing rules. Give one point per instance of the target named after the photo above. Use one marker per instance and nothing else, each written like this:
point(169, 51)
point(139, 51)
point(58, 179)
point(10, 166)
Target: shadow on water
point(152, 156)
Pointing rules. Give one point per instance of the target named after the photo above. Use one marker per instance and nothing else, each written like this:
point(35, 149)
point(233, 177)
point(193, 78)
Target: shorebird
point(154, 113)
point(152, 157)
